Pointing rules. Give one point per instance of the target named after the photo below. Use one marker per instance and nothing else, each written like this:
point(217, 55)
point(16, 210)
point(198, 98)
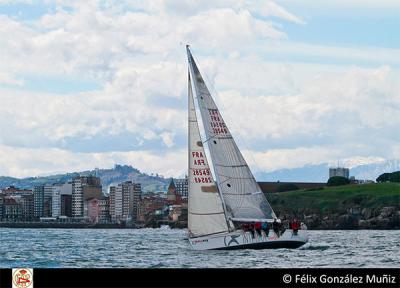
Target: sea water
point(169, 248)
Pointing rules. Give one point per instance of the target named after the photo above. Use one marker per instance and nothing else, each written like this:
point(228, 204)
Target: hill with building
point(354, 206)
point(113, 176)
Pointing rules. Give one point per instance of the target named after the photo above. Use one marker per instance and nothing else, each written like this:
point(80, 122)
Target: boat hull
point(242, 240)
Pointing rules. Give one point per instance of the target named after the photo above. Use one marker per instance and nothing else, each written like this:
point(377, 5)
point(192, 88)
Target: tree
point(337, 181)
point(389, 177)
point(287, 187)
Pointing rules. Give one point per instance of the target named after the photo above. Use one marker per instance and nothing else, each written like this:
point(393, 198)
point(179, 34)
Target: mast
point(228, 222)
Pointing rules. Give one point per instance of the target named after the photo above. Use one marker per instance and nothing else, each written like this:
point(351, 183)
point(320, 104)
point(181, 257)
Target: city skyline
point(96, 83)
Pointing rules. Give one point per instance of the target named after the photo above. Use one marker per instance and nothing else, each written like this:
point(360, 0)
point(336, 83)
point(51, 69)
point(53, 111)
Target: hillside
point(343, 205)
point(108, 177)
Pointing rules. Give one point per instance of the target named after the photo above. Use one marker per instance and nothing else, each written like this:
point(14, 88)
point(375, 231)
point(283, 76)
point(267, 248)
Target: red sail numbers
point(202, 175)
point(201, 172)
point(217, 124)
point(198, 158)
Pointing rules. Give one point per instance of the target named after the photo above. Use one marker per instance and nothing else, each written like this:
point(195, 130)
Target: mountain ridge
point(121, 173)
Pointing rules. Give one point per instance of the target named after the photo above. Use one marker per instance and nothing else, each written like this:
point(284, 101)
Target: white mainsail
point(241, 193)
point(206, 214)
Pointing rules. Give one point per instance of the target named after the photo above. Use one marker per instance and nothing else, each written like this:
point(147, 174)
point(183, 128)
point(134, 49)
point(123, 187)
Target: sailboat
point(220, 210)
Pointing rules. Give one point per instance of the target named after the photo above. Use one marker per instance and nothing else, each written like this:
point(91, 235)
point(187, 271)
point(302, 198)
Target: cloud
point(8, 2)
point(318, 53)
point(275, 159)
point(7, 78)
point(48, 118)
point(340, 4)
point(277, 100)
point(269, 8)
point(168, 139)
point(92, 40)
point(135, 50)
point(134, 53)
point(25, 162)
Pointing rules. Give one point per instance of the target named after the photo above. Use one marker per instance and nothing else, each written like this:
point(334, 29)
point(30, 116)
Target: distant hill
point(320, 172)
point(108, 177)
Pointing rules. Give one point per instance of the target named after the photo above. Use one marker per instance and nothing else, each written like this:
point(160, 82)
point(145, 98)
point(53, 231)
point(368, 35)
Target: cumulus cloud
point(270, 103)
point(25, 162)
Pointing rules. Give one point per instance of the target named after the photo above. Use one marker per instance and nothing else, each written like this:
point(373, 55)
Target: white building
point(339, 171)
point(77, 197)
point(137, 197)
point(83, 189)
point(66, 188)
point(181, 186)
point(124, 200)
point(56, 201)
point(48, 195)
point(57, 191)
point(115, 203)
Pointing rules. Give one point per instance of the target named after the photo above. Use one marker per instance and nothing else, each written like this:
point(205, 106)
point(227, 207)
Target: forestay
point(242, 194)
point(206, 214)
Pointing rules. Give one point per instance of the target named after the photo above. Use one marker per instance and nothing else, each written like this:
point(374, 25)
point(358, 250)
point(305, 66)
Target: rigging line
point(231, 166)
point(230, 178)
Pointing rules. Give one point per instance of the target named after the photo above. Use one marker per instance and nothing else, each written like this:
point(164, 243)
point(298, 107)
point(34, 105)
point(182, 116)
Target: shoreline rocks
point(386, 218)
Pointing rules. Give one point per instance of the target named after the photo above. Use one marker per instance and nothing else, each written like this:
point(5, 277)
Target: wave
point(314, 247)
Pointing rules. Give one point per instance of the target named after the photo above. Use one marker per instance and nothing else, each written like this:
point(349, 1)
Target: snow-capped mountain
point(362, 168)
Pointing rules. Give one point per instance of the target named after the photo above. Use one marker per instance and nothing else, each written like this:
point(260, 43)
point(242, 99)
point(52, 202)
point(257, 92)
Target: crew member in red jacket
point(295, 226)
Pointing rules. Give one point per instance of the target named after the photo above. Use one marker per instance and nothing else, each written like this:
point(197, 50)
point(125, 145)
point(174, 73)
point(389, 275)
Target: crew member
point(275, 227)
point(251, 228)
point(265, 227)
point(257, 227)
point(295, 226)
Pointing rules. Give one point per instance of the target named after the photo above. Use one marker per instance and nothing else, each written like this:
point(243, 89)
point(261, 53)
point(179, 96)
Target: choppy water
point(75, 248)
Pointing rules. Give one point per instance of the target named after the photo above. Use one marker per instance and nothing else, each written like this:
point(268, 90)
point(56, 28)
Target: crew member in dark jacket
point(275, 227)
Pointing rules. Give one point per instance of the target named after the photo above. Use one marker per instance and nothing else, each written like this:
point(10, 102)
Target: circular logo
point(22, 278)
point(287, 278)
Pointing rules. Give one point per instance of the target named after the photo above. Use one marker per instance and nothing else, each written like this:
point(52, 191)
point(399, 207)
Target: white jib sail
point(242, 195)
point(206, 215)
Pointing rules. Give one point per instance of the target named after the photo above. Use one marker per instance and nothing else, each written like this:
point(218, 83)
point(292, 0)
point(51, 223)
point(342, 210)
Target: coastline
point(40, 225)
point(174, 226)
point(64, 225)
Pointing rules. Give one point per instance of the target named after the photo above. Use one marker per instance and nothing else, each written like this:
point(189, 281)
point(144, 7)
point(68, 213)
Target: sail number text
point(198, 160)
point(217, 124)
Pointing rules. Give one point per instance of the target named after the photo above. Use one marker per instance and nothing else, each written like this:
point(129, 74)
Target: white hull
point(242, 240)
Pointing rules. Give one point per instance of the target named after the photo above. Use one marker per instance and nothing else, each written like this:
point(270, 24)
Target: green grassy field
point(337, 199)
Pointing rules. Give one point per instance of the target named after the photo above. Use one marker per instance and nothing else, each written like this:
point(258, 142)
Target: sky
point(87, 84)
